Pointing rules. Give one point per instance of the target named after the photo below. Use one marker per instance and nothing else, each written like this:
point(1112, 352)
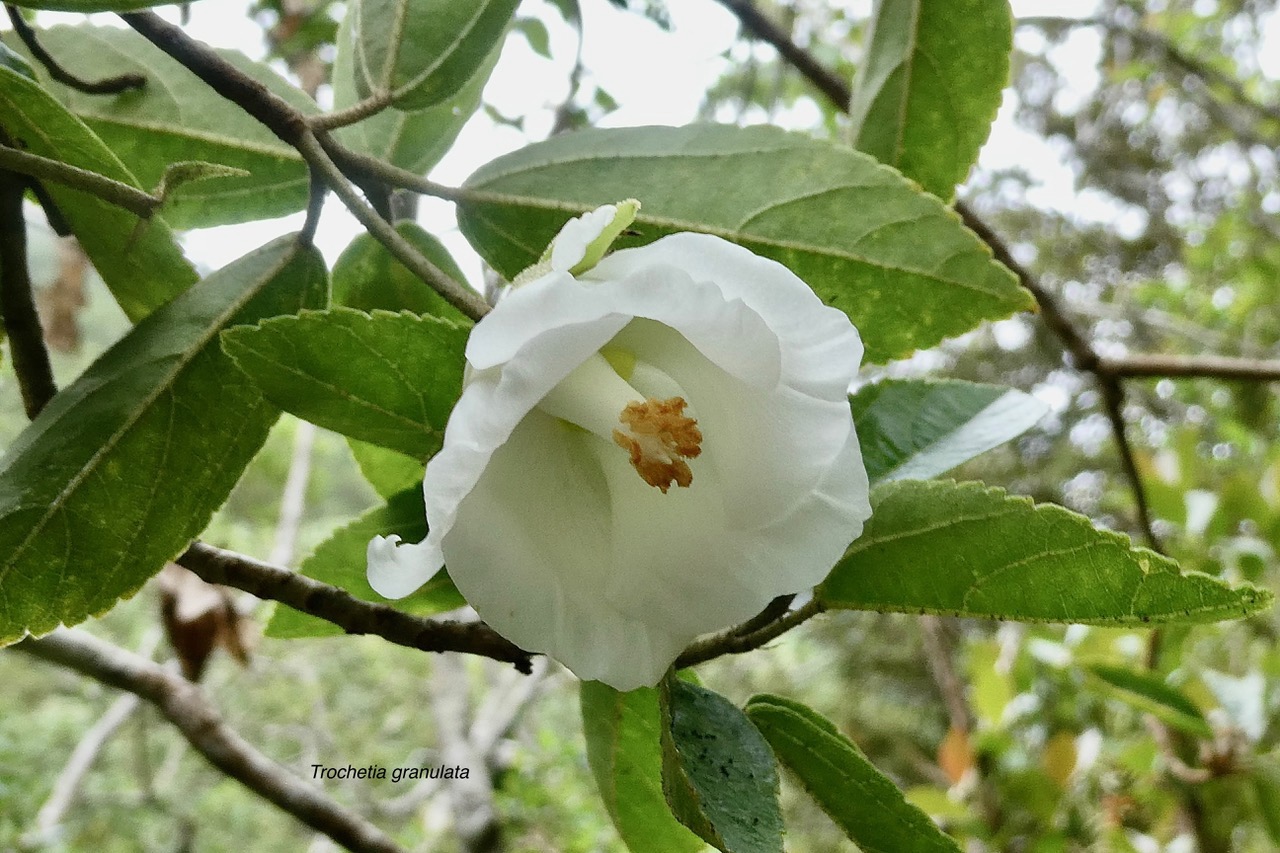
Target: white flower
point(648, 448)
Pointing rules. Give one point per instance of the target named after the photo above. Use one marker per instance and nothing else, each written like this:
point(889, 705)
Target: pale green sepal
point(582, 241)
point(624, 214)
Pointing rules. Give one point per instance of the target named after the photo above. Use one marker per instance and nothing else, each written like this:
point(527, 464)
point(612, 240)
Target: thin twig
point(827, 81)
point(461, 297)
point(21, 322)
point(293, 128)
point(732, 643)
point(353, 615)
point(360, 111)
point(186, 706)
point(247, 93)
point(1190, 366)
point(353, 162)
point(132, 199)
point(773, 611)
point(1082, 352)
point(315, 206)
point(107, 86)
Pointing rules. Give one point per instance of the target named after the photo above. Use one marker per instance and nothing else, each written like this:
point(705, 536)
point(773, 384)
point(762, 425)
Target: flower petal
point(729, 332)
point(538, 582)
point(396, 569)
point(770, 447)
point(569, 247)
point(821, 349)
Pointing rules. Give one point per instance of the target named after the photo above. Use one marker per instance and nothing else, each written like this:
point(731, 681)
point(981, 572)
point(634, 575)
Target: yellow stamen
point(659, 437)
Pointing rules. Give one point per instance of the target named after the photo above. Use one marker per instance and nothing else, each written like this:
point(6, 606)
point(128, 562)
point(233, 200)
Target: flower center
point(659, 437)
point(657, 434)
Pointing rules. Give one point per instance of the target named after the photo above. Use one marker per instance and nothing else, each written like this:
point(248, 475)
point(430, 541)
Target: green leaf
point(127, 464)
point(389, 379)
point(535, 32)
point(191, 171)
point(718, 773)
point(177, 117)
point(625, 754)
point(898, 262)
point(966, 550)
point(386, 470)
point(340, 560)
point(1149, 693)
point(1266, 782)
point(858, 797)
point(16, 63)
point(917, 429)
point(140, 263)
point(413, 140)
point(91, 5)
point(422, 51)
point(929, 86)
point(366, 276)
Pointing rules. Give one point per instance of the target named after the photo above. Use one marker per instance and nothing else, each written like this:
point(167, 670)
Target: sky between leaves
point(619, 52)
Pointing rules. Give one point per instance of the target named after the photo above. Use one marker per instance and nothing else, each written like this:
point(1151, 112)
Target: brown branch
point(1192, 367)
point(228, 81)
point(461, 297)
point(1082, 352)
point(328, 160)
point(837, 90)
point(186, 706)
point(734, 642)
point(21, 322)
point(340, 607)
point(132, 199)
point(107, 86)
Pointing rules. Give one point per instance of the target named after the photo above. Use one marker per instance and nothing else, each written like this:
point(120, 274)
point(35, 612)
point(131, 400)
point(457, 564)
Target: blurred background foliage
point(1166, 243)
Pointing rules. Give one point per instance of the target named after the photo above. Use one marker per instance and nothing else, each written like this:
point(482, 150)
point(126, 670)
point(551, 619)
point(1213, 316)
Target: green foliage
point(386, 470)
point(389, 379)
point(623, 748)
point(861, 800)
point(177, 117)
point(420, 52)
point(913, 430)
point(139, 261)
point(366, 276)
point(1151, 694)
point(929, 86)
point(897, 262)
point(124, 467)
point(90, 5)
point(718, 773)
point(340, 561)
point(411, 139)
point(965, 550)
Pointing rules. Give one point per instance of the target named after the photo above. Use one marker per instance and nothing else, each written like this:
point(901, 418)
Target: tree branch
point(1185, 366)
point(1082, 352)
point(108, 86)
point(294, 129)
point(132, 199)
point(186, 706)
point(21, 322)
point(371, 106)
point(353, 615)
point(827, 81)
point(461, 297)
point(732, 642)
